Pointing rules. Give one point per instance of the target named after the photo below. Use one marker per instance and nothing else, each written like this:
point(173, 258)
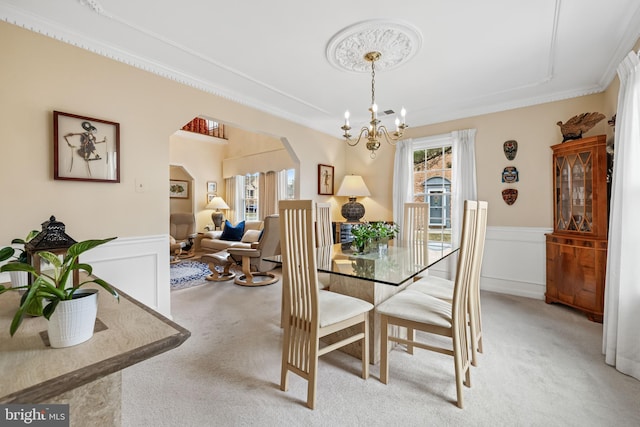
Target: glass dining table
point(375, 276)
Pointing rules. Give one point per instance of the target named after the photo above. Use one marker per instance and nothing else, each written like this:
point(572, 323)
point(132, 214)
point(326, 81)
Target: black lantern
point(53, 239)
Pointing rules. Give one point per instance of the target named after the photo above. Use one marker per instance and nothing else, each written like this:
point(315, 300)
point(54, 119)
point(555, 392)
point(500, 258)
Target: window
point(251, 197)
point(257, 193)
point(431, 183)
point(291, 184)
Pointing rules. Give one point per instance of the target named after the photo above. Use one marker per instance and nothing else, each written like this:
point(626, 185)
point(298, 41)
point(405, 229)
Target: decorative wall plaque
point(510, 174)
point(510, 148)
point(509, 195)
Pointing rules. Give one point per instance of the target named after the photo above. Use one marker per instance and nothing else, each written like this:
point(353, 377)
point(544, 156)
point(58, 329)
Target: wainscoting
point(514, 262)
point(139, 266)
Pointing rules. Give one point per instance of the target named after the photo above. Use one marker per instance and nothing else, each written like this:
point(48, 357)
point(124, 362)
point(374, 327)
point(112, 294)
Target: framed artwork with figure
point(85, 148)
point(325, 180)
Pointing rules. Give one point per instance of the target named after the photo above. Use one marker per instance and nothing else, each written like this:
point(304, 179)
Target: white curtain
point(464, 181)
point(621, 339)
point(267, 194)
point(234, 187)
point(281, 186)
point(402, 179)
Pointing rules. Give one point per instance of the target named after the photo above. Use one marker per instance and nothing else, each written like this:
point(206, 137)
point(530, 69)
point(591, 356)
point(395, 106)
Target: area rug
point(186, 274)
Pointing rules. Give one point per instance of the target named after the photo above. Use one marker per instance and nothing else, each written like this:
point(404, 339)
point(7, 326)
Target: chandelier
point(375, 131)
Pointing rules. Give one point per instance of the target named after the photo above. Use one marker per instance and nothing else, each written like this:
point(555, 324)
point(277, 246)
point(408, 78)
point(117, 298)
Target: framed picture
point(178, 189)
point(325, 179)
point(212, 187)
point(85, 148)
point(210, 197)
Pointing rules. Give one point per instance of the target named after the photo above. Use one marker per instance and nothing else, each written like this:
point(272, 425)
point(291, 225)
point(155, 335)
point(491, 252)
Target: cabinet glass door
point(574, 192)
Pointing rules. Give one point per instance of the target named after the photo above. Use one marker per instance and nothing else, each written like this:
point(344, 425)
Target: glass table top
point(399, 263)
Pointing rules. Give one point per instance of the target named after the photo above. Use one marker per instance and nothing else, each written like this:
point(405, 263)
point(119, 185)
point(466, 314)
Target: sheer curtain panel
point(267, 195)
point(402, 179)
point(621, 340)
point(464, 175)
point(281, 186)
point(234, 187)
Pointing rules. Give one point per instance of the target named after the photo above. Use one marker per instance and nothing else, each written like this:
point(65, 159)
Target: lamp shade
point(217, 203)
point(353, 186)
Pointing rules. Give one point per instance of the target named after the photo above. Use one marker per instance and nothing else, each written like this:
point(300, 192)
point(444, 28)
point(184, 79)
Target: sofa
point(216, 241)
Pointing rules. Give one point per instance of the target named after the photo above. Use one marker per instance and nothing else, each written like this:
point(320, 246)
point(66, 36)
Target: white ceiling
point(475, 57)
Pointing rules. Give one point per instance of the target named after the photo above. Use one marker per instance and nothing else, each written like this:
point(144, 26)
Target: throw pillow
point(232, 233)
point(251, 236)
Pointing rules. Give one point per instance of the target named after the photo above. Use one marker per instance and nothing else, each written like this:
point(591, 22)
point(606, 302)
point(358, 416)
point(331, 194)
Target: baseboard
point(510, 287)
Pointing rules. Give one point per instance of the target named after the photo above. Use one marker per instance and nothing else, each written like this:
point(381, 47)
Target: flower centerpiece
point(362, 234)
point(372, 234)
point(384, 231)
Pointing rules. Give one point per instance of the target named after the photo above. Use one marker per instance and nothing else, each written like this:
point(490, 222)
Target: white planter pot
point(18, 278)
point(72, 322)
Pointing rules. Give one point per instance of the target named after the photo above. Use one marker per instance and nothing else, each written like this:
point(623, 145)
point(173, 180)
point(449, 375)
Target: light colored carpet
point(541, 367)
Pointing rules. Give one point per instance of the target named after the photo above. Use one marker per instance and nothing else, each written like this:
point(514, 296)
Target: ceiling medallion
point(396, 41)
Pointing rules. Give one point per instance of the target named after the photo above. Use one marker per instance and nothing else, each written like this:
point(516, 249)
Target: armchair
point(256, 271)
point(181, 235)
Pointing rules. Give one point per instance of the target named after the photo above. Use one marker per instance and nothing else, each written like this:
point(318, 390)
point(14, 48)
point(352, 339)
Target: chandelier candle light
point(375, 131)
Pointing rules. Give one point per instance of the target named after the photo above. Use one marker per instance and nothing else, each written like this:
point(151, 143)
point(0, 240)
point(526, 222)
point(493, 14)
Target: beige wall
point(39, 75)
point(243, 142)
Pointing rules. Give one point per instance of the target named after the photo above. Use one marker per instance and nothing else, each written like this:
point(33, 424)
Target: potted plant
point(18, 278)
point(21, 278)
point(62, 297)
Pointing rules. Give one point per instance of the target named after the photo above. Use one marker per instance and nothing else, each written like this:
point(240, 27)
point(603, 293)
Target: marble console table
point(86, 376)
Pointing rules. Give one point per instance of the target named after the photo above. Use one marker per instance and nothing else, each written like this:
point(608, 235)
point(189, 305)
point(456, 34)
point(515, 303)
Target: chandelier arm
point(363, 132)
point(391, 139)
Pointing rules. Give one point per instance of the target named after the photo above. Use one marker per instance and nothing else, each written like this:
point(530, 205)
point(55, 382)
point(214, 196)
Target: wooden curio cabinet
point(577, 248)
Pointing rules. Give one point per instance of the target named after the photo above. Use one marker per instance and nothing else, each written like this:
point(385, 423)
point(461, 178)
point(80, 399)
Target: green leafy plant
point(362, 234)
point(372, 231)
point(52, 285)
point(9, 251)
point(383, 230)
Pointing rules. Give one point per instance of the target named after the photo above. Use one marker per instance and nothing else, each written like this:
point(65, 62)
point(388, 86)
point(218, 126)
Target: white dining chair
point(415, 224)
point(324, 237)
point(415, 310)
point(415, 232)
point(443, 288)
point(309, 312)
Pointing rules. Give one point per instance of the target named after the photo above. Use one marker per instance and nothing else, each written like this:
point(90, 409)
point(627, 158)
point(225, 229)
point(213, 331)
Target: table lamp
point(217, 217)
point(353, 186)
